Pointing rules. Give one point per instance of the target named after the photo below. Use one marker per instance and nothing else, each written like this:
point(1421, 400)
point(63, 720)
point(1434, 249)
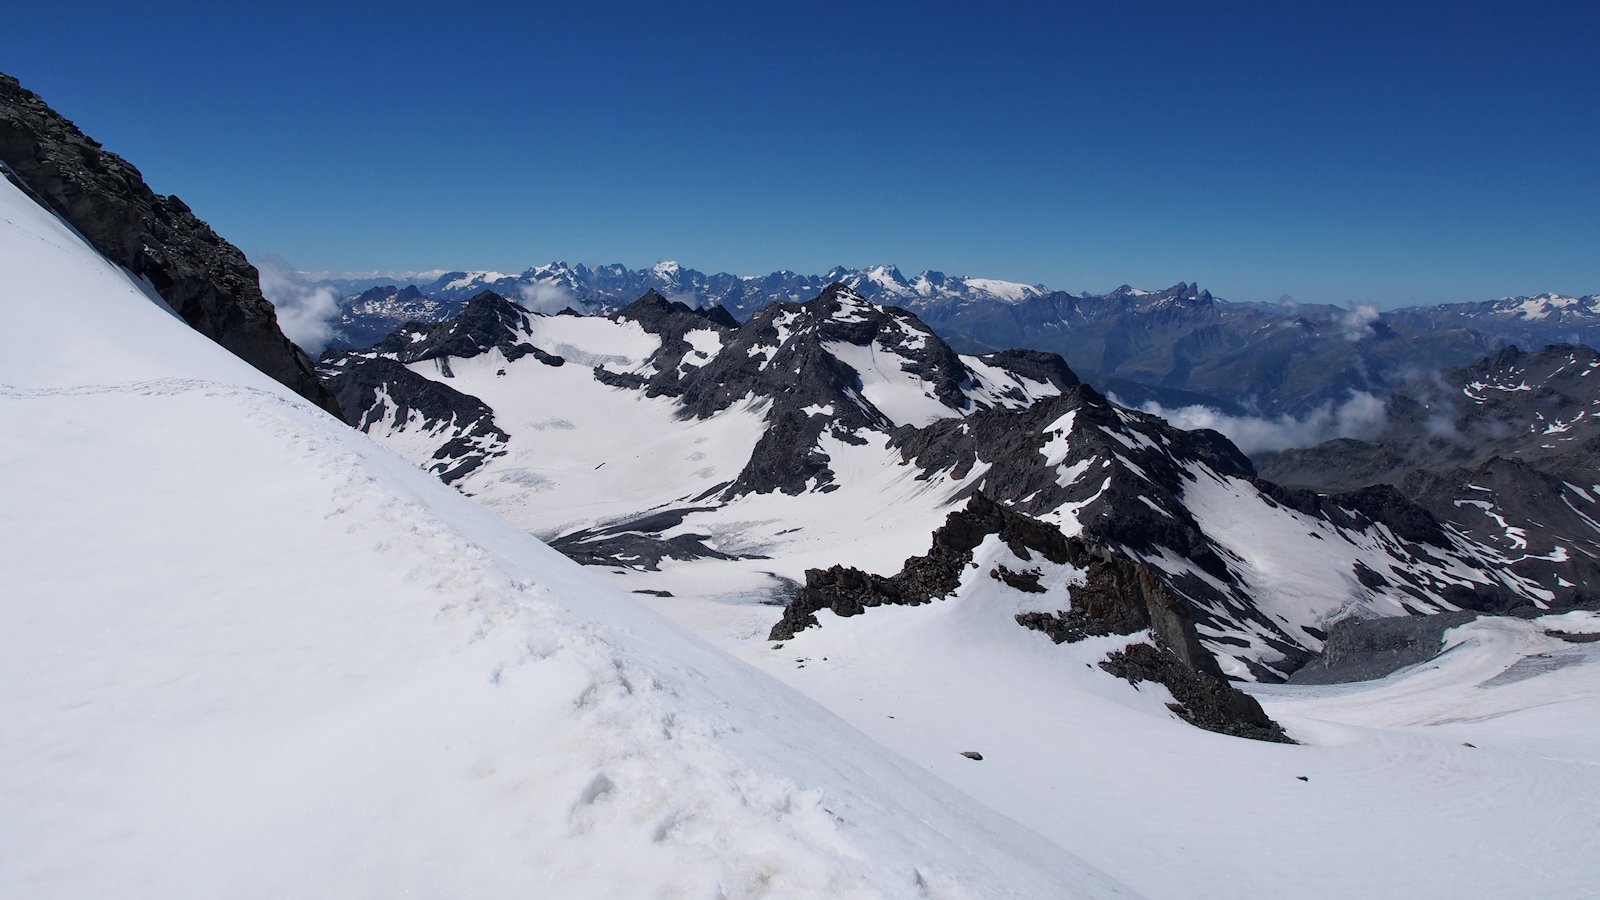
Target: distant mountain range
point(606, 289)
point(680, 449)
point(1178, 346)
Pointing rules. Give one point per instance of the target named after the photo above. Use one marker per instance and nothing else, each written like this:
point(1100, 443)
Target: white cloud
point(546, 297)
point(306, 311)
point(1357, 322)
point(1361, 416)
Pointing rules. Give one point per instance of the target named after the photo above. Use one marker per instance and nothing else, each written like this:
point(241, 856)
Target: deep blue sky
point(1335, 152)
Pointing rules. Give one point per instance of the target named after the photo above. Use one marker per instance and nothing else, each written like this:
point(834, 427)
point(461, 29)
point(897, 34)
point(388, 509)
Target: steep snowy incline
point(246, 652)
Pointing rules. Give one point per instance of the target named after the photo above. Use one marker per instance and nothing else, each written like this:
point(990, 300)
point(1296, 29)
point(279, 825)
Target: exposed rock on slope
point(1187, 503)
point(1365, 649)
point(465, 424)
point(1539, 407)
point(666, 435)
point(1114, 596)
point(1506, 450)
point(205, 279)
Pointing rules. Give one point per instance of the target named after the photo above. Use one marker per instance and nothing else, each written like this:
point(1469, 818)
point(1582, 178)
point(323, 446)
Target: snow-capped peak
point(461, 281)
point(885, 278)
point(1546, 305)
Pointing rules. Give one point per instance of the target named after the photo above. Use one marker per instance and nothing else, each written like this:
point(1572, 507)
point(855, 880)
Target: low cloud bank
point(307, 312)
point(1361, 416)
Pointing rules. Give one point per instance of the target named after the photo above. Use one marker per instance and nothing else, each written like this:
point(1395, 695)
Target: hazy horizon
point(1373, 154)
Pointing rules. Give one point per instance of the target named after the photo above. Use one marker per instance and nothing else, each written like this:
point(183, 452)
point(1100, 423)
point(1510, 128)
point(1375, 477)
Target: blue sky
point(1346, 153)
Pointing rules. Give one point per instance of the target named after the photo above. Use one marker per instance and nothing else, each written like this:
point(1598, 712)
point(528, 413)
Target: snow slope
point(1384, 798)
point(246, 652)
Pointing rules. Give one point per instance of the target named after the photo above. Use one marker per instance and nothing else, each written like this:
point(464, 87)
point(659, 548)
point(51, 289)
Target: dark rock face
point(1368, 649)
point(849, 591)
point(781, 354)
point(1012, 442)
point(1378, 503)
point(1503, 451)
point(1200, 699)
point(385, 390)
point(205, 279)
point(1117, 597)
point(1035, 364)
point(1544, 523)
point(489, 322)
point(1121, 597)
point(1134, 470)
point(672, 321)
point(633, 542)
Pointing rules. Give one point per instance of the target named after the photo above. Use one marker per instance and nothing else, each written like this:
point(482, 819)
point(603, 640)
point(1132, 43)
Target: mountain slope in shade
point(246, 652)
point(1506, 450)
point(688, 455)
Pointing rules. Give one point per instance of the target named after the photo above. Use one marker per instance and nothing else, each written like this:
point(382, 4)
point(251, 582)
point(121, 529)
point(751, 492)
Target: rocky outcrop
point(1127, 455)
point(1199, 699)
point(673, 322)
point(206, 280)
point(386, 393)
point(1356, 509)
point(1117, 596)
point(782, 353)
point(849, 592)
point(1368, 649)
point(489, 322)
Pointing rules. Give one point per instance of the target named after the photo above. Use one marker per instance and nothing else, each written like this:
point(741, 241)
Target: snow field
point(904, 397)
point(1295, 580)
point(584, 453)
point(1393, 803)
point(246, 652)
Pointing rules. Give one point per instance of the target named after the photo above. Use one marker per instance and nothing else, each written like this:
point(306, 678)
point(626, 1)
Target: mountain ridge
point(820, 399)
point(1179, 346)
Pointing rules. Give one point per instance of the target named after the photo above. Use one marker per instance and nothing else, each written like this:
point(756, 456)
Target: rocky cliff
point(206, 280)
